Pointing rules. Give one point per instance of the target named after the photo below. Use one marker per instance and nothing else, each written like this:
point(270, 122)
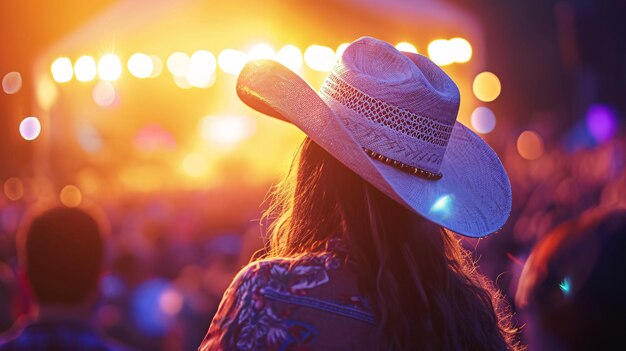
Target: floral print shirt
point(308, 303)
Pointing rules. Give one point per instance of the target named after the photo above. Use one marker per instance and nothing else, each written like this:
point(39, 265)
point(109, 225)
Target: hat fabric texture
point(390, 116)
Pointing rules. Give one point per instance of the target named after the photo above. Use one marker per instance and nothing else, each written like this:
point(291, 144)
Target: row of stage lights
point(198, 70)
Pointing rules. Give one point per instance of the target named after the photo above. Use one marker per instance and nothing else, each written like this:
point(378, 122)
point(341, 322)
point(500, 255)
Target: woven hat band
point(416, 142)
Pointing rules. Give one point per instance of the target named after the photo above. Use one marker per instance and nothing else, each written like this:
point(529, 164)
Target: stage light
point(70, 196)
point(85, 69)
point(320, 58)
point(13, 188)
point(104, 94)
point(261, 51)
point(290, 56)
point(178, 64)
point(340, 49)
point(226, 130)
point(140, 65)
point(530, 145)
point(12, 82)
point(30, 128)
point(408, 47)
point(62, 70)
point(483, 120)
point(157, 66)
point(440, 52)
point(45, 91)
point(231, 61)
point(461, 49)
point(195, 165)
point(486, 86)
point(201, 73)
point(109, 67)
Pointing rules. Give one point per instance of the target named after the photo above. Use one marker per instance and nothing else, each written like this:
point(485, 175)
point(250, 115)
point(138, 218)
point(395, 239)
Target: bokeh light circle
point(13, 188)
point(178, 64)
point(601, 122)
point(340, 49)
point(530, 145)
point(461, 49)
point(70, 196)
point(261, 51)
point(290, 56)
point(12, 82)
point(320, 58)
point(483, 120)
point(85, 69)
point(104, 94)
point(406, 47)
point(486, 86)
point(140, 65)
point(157, 66)
point(62, 70)
point(226, 130)
point(440, 52)
point(30, 128)
point(109, 67)
point(232, 61)
point(201, 69)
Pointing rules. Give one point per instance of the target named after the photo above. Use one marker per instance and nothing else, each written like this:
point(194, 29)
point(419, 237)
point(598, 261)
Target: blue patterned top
point(309, 303)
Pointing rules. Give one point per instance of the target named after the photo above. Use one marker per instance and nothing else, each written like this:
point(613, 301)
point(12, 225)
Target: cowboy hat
point(390, 116)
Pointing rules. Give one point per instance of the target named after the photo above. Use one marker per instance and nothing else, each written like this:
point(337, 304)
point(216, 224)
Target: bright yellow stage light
point(440, 52)
point(320, 58)
point(261, 51)
point(408, 47)
point(62, 70)
point(85, 69)
point(461, 48)
point(109, 67)
point(232, 61)
point(140, 65)
point(290, 56)
point(178, 64)
point(486, 86)
point(226, 130)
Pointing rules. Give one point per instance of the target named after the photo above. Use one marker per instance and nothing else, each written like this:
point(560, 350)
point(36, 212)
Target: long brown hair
point(422, 284)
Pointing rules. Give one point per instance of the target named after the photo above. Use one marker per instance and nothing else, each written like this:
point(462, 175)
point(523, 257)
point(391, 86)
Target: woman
point(357, 256)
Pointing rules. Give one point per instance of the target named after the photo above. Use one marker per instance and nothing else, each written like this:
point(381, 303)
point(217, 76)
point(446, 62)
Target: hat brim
point(473, 198)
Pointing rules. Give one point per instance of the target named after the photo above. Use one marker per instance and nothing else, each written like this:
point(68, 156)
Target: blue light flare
point(566, 286)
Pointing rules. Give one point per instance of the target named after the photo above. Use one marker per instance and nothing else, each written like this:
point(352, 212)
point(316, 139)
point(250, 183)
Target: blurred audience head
point(571, 287)
point(61, 251)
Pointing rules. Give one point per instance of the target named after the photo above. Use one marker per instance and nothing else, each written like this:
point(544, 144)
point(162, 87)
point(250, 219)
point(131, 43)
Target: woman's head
point(420, 281)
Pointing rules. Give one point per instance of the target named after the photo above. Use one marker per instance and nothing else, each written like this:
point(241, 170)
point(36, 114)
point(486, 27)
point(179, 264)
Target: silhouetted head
point(62, 253)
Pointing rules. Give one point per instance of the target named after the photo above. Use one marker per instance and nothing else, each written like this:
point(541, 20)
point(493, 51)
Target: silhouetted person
point(573, 286)
point(61, 252)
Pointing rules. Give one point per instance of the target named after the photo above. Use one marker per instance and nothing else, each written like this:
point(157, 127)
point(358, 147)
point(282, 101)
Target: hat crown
point(405, 80)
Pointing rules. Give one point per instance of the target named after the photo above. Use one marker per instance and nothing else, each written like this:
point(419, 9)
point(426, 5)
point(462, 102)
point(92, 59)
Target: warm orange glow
point(13, 188)
point(45, 92)
point(530, 145)
point(226, 130)
point(62, 70)
point(486, 86)
point(320, 58)
point(140, 65)
point(408, 47)
point(85, 69)
point(70, 196)
point(109, 67)
point(195, 165)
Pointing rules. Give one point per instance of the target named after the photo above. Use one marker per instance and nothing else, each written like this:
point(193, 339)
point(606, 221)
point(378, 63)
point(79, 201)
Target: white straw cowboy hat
point(390, 116)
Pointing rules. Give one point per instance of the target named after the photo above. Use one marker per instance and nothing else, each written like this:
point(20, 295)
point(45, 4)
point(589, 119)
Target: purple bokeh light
point(601, 122)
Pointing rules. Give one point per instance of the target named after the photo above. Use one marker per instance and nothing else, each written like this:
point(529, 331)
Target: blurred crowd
point(170, 256)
